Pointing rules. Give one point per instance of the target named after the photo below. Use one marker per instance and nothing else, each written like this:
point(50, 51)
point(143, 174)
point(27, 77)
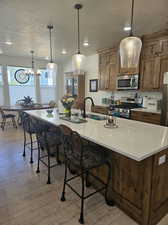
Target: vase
point(67, 113)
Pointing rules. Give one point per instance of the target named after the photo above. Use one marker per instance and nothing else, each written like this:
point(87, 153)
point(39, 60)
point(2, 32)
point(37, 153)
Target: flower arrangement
point(67, 101)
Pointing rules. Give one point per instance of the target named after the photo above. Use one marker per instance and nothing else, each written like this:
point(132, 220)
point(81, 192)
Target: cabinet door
point(113, 70)
point(150, 70)
point(104, 77)
point(163, 68)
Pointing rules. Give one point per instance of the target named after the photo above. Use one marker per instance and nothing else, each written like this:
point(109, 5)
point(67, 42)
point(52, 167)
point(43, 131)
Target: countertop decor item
point(93, 85)
point(51, 66)
point(130, 47)
point(26, 101)
point(67, 102)
point(78, 58)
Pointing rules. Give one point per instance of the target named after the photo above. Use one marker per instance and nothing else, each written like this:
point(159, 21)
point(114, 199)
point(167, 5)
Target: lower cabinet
point(146, 117)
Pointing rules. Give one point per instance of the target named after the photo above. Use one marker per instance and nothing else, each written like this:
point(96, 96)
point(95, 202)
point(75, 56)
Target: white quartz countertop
point(136, 140)
point(146, 110)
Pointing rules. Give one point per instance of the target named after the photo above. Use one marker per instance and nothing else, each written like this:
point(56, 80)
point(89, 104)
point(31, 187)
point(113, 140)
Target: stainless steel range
point(124, 110)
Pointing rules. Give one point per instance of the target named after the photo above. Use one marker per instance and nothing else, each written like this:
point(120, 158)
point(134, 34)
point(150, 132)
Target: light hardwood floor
point(26, 199)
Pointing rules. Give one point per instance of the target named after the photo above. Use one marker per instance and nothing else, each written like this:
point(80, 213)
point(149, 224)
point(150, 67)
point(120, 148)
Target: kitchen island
point(138, 153)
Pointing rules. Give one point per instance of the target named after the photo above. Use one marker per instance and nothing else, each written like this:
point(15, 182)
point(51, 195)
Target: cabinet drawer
point(146, 117)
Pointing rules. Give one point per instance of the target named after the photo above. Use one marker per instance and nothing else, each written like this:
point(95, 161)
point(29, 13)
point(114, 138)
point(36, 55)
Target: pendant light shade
point(78, 59)
point(130, 48)
point(51, 66)
point(78, 63)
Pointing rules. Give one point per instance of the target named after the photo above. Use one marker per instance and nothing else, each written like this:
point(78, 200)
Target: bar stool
point(48, 139)
point(85, 158)
point(28, 128)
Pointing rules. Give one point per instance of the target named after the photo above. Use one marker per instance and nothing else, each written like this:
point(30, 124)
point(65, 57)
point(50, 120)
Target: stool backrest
point(27, 123)
point(2, 113)
point(72, 143)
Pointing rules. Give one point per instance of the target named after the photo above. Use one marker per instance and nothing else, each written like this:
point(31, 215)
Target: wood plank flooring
point(26, 199)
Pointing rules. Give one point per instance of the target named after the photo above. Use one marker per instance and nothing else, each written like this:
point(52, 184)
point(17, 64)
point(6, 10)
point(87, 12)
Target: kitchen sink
point(95, 117)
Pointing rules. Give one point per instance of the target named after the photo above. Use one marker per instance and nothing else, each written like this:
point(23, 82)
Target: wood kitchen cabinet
point(147, 117)
point(154, 61)
point(108, 69)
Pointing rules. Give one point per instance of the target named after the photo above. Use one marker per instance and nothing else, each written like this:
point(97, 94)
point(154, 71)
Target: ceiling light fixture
point(8, 43)
point(78, 58)
point(127, 28)
point(130, 47)
point(51, 66)
point(32, 71)
point(86, 43)
point(64, 52)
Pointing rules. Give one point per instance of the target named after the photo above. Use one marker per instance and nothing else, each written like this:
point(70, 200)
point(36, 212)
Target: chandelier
point(32, 71)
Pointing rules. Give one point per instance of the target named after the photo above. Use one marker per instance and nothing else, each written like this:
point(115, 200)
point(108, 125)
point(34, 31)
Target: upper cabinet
point(154, 61)
point(108, 69)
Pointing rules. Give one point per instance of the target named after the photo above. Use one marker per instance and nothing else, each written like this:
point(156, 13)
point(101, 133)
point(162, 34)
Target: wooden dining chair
point(5, 117)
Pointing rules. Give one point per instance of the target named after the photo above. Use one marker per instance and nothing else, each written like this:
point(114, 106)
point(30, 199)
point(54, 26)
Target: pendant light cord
point(132, 18)
point(78, 31)
point(51, 59)
point(32, 52)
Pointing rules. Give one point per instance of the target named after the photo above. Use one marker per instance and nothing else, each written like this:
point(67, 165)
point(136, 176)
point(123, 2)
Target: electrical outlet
point(162, 159)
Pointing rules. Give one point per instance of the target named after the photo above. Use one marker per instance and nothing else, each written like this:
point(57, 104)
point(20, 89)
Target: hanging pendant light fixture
point(130, 47)
point(78, 58)
point(32, 71)
point(51, 66)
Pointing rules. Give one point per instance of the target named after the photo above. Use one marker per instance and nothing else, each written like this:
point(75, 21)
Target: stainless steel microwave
point(128, 82)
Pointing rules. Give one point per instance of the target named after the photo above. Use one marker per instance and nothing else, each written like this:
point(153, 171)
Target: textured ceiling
point(24, 23)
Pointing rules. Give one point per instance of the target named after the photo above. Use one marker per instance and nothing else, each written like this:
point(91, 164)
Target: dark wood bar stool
point(29, 129)
point(48, 141)
point(6, 117)
point(84, 157)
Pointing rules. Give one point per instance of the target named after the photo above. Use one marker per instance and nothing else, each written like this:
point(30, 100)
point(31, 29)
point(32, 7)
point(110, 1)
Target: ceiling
point(24, 23)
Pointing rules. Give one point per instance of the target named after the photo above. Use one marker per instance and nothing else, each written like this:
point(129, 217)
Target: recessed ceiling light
point(64, 52)
point(127, 28)
point(8, 43)
point(47, 58)
point(86, 44)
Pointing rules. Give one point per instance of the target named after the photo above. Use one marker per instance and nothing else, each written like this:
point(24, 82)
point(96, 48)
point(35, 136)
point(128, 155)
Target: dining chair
point(85, 157)
point(6, 117)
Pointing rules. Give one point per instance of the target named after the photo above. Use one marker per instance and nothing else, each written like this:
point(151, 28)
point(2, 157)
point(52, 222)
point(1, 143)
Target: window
point(47, 86)
point(11, 78)
point(17, 91)
point(1, 81)
point(46, 79)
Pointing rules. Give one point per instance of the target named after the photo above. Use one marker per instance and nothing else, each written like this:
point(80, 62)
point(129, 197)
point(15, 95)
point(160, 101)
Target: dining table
point(20, 108)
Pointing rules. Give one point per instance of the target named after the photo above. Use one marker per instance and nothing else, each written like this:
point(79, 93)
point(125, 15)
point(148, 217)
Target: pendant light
point(32, 71)
point(78, 58)
point(130, 47)
point(51, 66)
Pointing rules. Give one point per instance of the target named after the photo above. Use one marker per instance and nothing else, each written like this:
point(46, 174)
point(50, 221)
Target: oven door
point(124, 82)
